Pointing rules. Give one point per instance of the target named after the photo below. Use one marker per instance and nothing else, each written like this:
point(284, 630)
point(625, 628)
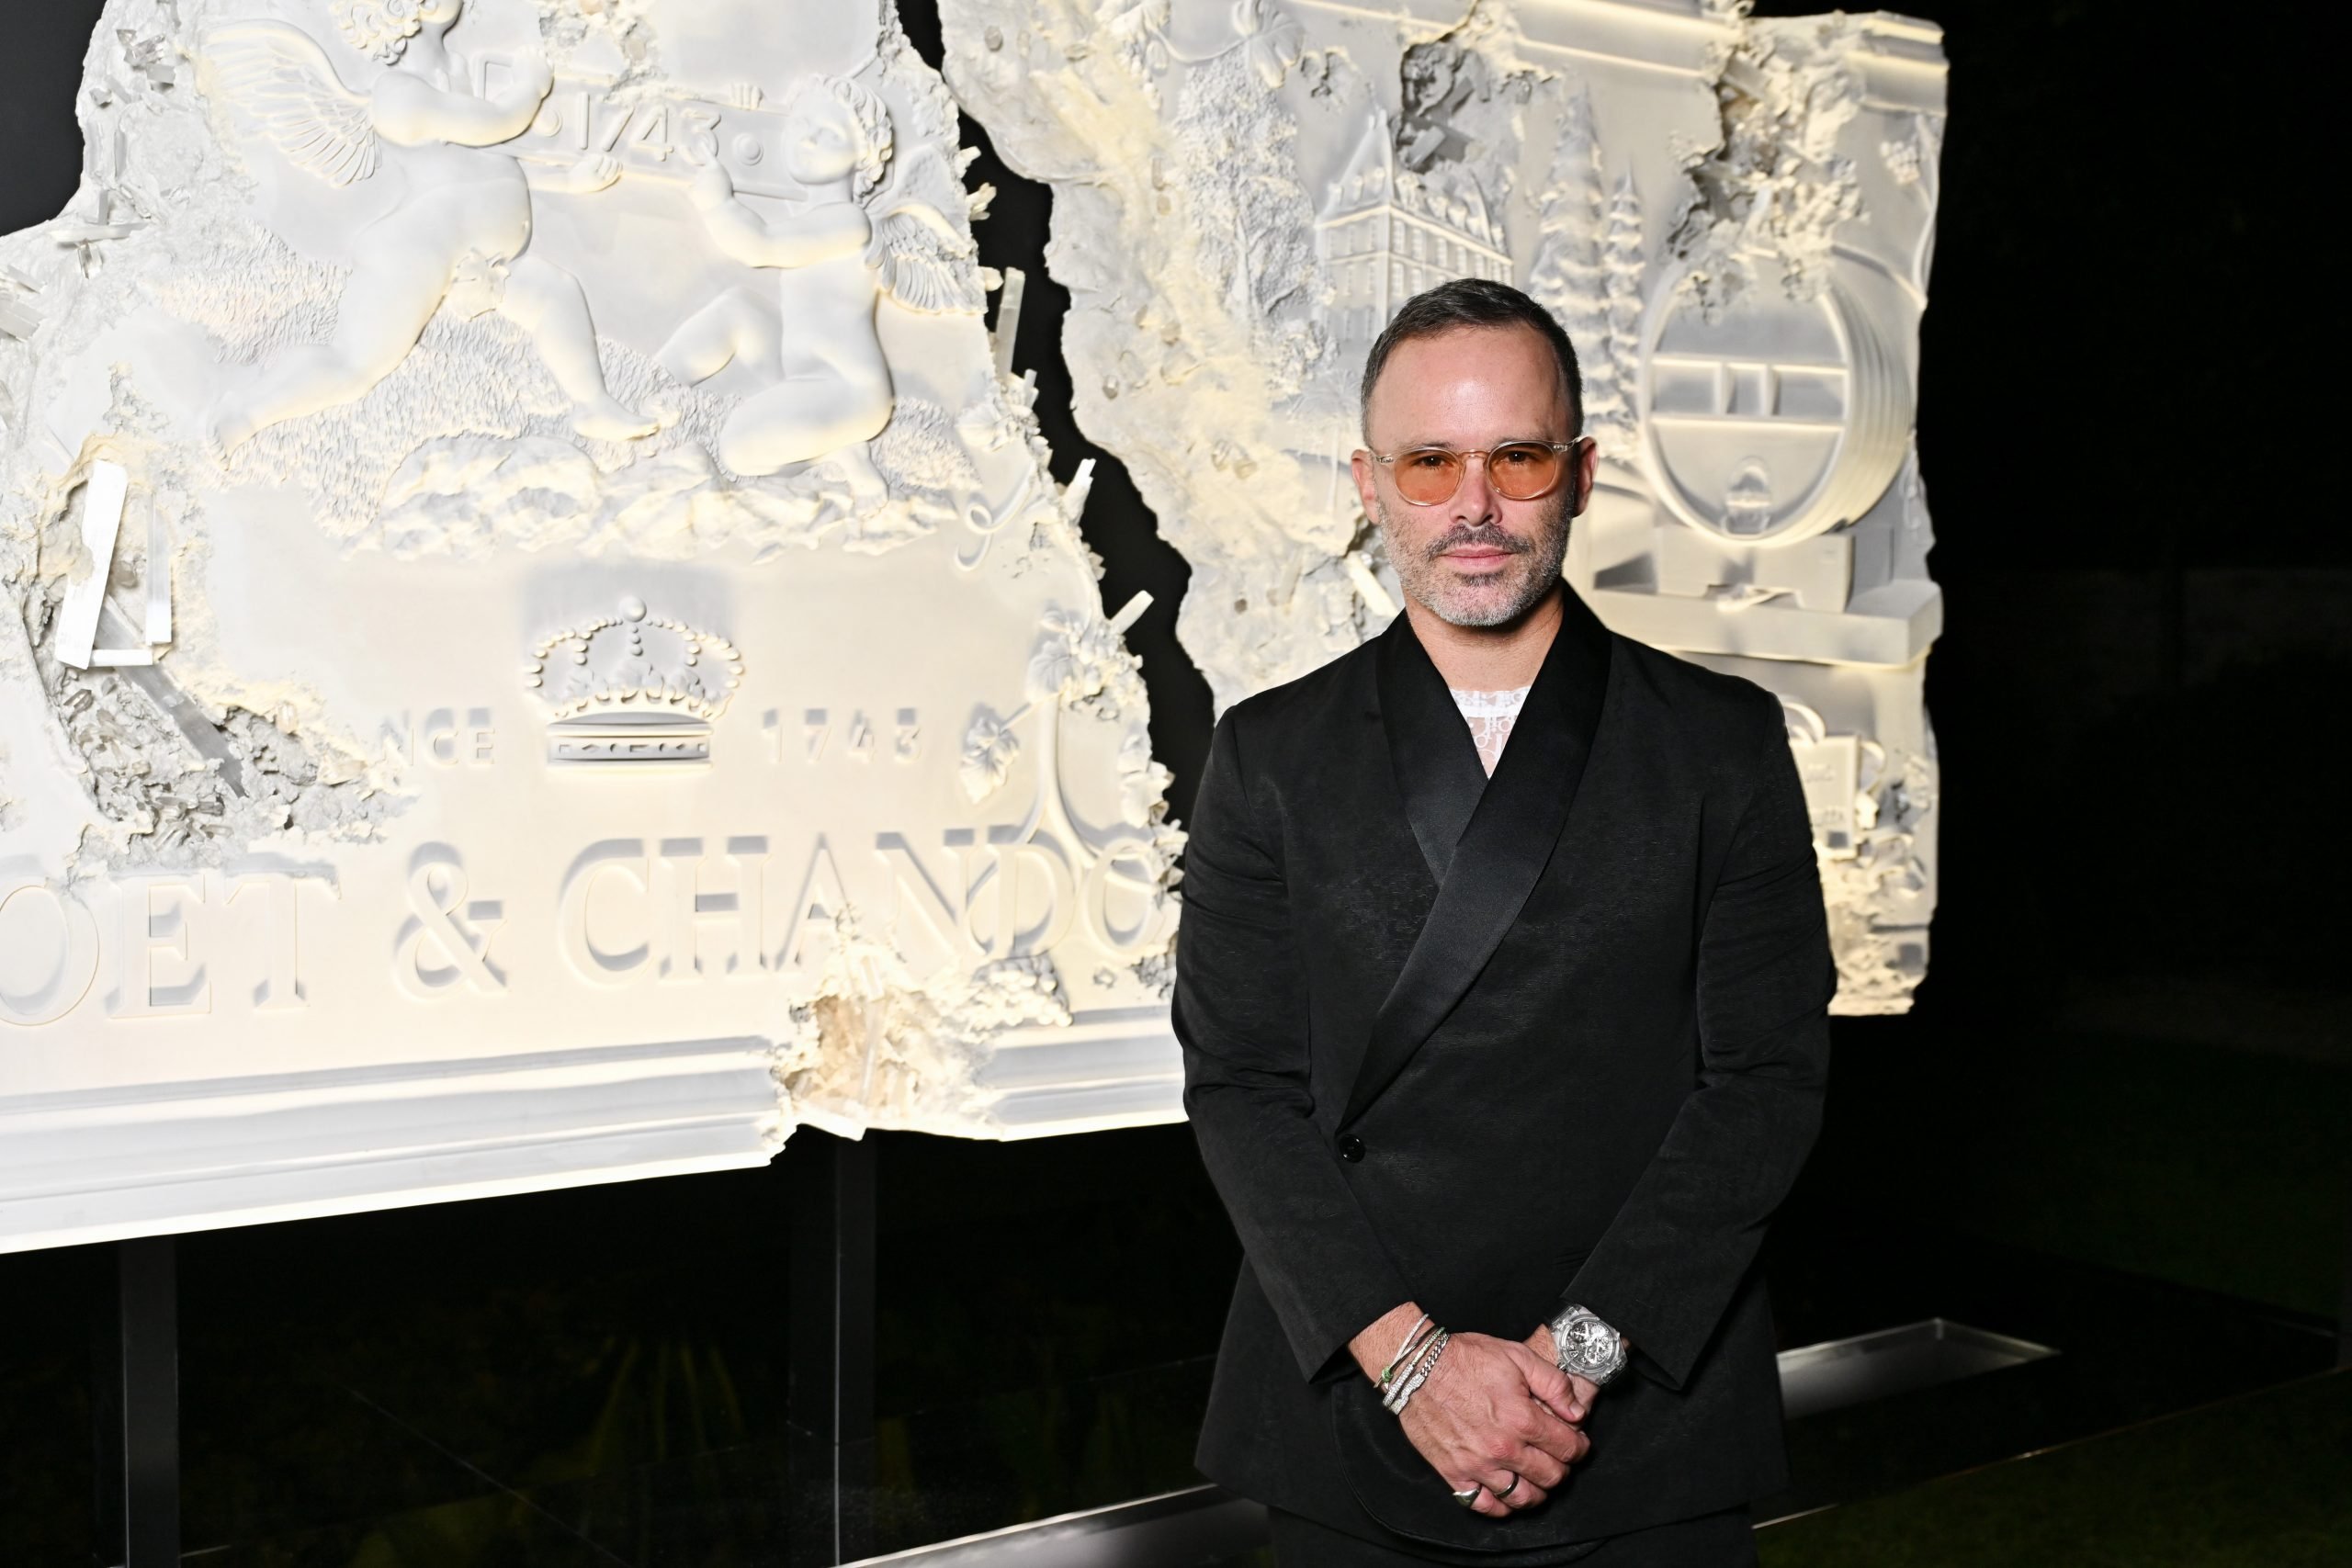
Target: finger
point(1567, 1394)
point(1548, 1383)
point(1491, 1505)
point(1563, 1440)
point(1546, 1470)
point(1526, 1494)
point(1553, 1439)
point(1580, 1446)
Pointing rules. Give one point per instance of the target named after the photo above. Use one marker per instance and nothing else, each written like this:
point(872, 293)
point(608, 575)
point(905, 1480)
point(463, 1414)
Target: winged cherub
point(838, 252)
point(460, 229)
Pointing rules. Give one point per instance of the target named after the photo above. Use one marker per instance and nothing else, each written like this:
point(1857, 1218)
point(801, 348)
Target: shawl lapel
point(1486, 840)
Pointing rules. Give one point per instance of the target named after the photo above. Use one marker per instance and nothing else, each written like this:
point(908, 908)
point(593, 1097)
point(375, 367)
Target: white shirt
point(1490, 715)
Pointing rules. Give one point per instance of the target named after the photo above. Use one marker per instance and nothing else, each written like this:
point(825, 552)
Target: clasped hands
point(1496, 1414)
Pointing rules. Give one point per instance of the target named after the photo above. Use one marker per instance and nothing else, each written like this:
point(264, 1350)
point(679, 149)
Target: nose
point(1474, 499)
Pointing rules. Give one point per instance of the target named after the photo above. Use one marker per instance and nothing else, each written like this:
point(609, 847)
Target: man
point(1501, 1075)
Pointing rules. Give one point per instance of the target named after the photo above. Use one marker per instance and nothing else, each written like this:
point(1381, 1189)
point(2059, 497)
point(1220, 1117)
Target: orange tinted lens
point(1523, 470)
point(1427, 474)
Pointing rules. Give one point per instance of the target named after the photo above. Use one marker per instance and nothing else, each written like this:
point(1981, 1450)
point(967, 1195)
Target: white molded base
point(103, 1165)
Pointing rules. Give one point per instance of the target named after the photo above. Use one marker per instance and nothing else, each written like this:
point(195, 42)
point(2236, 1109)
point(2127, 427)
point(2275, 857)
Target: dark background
point(2133, 1049)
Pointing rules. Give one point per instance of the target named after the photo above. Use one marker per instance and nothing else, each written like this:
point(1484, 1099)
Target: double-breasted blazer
point(1495, 1045)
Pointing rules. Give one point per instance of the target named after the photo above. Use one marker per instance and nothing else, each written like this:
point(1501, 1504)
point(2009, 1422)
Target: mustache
point(1480, 539)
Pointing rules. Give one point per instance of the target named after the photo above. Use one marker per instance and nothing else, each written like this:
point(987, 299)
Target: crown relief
point(634, 661)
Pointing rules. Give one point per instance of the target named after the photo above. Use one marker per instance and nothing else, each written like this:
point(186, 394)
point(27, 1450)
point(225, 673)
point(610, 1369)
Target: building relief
point(513, 522)
point(1731, 217)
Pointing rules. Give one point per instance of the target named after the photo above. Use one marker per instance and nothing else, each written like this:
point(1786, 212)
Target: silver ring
point(1508, 1490)
point(1470, 1499)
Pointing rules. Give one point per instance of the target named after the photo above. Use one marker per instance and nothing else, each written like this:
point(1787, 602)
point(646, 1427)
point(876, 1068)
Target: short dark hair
point(1473, 302)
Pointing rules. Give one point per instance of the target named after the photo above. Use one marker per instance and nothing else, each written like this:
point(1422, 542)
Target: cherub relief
point(837, 252)
point(461, 233)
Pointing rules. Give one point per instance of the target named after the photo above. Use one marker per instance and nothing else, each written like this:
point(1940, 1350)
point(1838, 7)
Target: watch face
point(1589, 1342)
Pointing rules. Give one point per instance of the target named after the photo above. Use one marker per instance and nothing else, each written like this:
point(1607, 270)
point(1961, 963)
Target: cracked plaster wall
point(626, 605)
point(1732, 218)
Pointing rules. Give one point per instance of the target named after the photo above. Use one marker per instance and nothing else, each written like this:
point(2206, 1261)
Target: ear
point(1361, 465)
point(1587, 464)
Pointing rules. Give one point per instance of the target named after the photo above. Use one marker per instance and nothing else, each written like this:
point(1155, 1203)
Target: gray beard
point(1425, 582)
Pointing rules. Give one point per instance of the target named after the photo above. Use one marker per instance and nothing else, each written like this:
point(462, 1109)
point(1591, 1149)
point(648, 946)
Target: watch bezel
point(1570, 1355)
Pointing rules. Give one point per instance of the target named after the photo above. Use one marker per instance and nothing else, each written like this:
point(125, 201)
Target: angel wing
point(927, 261)
point(278, 74)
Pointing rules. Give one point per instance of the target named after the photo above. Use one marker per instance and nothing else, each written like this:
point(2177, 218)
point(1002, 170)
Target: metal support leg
point(137, 1390)
point(832, 1330)
point(2343, 1307)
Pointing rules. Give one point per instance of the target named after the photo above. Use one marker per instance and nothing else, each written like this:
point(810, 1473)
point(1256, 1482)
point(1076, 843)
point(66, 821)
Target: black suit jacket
point(1571, 1022)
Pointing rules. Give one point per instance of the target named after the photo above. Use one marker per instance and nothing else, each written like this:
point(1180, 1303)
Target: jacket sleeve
point(1240, 1015)
point(1665, 1270)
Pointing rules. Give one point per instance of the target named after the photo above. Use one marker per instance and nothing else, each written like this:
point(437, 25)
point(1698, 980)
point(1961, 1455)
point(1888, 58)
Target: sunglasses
point(1517, 470)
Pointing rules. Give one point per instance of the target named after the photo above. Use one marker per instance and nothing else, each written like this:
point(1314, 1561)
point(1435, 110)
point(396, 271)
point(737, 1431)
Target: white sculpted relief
point(1732, 219)
point(510, 513)
point(832, 390)
point(458, 231)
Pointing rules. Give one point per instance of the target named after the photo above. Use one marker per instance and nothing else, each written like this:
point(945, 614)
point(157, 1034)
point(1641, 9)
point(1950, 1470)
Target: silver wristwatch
point(1586, 1346)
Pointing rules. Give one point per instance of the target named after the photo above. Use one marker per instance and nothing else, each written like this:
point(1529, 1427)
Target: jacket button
point(1351, 1148)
